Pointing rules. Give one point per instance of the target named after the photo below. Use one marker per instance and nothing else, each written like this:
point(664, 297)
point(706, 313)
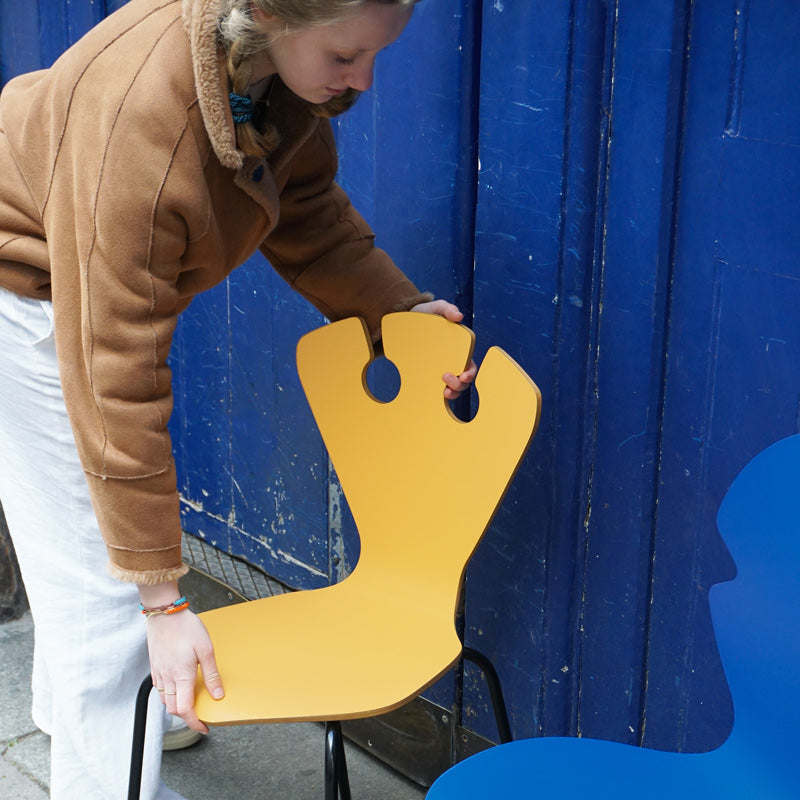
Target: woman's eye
point(345, 62)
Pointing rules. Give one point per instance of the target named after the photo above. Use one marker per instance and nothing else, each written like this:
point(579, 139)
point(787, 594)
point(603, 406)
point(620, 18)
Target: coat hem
point(148, 577)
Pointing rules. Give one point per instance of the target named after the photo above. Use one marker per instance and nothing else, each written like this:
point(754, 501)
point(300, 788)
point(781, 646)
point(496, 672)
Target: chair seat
point(326, 654)
point(597, 770)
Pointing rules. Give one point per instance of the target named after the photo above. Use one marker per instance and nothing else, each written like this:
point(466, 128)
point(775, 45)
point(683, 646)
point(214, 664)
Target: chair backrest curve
point(422, 485)
point(755, 615)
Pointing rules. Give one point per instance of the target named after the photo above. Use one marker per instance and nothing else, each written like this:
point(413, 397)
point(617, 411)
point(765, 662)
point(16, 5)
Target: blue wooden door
point(608, 189)
point(635, 249)
point(732, 376)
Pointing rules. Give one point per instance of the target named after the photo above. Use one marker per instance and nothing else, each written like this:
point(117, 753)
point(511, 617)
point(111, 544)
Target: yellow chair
point(422, 487)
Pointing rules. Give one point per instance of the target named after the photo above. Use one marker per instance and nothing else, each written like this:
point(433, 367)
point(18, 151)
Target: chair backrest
point(421, 484)
point(755, 626)
point(755, 615)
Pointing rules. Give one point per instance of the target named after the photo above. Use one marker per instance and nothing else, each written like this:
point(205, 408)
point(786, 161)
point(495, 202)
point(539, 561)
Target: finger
point(452, 382)
point(462, 381)
point(185, 707)
point(468, 375)
point(160, 685)
point(447, 310)
point(453, 394)
point(458, 383)
point(208, 667)
point(211, 677)
point(441, 307)
point(170, 699)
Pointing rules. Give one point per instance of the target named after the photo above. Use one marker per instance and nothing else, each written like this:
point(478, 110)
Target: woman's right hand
point(177, 643)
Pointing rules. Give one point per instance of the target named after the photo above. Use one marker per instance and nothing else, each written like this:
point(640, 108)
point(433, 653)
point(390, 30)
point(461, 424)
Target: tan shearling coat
point(122, 195)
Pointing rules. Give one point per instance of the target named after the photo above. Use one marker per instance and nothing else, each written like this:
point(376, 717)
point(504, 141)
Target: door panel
point(733, 382)
point(609, 191)
point(519, 277)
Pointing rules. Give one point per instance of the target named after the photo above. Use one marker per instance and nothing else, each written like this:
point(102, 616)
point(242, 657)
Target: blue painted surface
point(732, 383)
point(753, 620)
point(609, 191)
point(518, 275)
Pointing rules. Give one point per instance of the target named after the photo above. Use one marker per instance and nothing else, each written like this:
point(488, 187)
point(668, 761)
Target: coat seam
point(108, 476)
point(143, 549)
point(203, 160)
point(90, 253)
point(149, 266)
point(74, 88)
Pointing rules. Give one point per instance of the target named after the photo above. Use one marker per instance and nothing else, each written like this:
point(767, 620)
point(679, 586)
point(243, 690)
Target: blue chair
point(755, 622)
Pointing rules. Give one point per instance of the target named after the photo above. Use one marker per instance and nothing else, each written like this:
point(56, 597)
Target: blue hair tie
point(242, 107)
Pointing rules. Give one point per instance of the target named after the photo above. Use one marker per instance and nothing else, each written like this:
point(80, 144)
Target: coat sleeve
point(324, 249)
point(117, 230)
point(117, 258)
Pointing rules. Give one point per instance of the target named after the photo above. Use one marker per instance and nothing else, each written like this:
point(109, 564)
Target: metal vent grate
point(247, 580)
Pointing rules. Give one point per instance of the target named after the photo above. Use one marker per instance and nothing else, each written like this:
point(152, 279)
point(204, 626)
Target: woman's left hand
point(454, 384)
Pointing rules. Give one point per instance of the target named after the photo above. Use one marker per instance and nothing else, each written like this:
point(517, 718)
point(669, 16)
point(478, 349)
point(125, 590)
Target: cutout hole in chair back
point(382, 379)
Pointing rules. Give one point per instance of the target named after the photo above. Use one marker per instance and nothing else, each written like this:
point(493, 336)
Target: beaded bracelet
point(180, 604)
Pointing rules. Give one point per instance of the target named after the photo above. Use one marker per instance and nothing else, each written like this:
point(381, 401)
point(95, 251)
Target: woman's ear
point(264, 20)
point(269, 24)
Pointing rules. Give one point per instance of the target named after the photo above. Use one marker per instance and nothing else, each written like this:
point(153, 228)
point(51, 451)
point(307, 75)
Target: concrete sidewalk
point(248, 762)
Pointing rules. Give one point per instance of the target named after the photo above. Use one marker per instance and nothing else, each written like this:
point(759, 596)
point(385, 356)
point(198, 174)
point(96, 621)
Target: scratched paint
point(611, 201)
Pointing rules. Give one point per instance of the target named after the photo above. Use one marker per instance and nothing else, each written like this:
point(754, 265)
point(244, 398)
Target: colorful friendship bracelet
point(171, 608)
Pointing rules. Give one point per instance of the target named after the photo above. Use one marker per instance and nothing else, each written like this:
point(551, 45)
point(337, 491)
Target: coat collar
point(211, 80)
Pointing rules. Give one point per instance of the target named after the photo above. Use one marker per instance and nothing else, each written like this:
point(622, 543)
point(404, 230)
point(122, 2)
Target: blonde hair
point(242, 39)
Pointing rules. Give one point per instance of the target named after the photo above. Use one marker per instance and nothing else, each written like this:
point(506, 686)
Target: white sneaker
point(179, 735)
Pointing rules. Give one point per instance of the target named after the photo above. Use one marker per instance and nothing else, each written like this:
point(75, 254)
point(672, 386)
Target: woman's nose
point(360, 77)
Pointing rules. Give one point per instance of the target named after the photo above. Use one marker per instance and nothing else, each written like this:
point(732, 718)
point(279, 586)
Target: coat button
point(258, 173)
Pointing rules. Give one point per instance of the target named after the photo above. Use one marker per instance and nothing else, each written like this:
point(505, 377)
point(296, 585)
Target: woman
point(151, 159)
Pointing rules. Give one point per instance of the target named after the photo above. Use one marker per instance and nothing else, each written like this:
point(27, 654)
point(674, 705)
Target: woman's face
point(321, 61)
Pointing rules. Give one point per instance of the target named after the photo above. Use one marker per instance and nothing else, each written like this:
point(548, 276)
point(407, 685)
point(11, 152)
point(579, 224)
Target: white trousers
point(90, 647)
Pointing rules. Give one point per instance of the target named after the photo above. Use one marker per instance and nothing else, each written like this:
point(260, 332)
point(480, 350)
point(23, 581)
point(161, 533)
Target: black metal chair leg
point(344, 780)
point(337, 784)
point(137, 746)
point(495, 692)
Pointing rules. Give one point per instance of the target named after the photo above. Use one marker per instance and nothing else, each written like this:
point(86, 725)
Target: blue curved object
point(755, 622)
